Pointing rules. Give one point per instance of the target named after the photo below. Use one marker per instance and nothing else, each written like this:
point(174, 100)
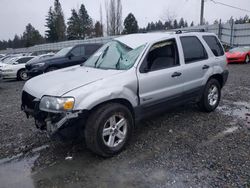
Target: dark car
point(66, 57)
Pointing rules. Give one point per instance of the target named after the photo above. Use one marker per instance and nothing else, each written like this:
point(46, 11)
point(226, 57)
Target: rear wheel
point(108, 129)
point(247, 59)
point(22, 75)
point(211, 96)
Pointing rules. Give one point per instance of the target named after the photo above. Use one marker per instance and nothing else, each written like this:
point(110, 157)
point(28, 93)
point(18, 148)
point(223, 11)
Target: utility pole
point(202, 12)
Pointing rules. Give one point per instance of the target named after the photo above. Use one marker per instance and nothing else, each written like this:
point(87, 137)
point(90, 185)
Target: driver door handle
point(176, 74)
point(205, 67)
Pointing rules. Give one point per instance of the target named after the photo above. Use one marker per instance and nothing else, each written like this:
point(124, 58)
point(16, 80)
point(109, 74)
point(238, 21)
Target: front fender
point(105, 95)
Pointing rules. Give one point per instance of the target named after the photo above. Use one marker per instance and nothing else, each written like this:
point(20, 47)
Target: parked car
point(40, 57)
point(64, 58)
point(238, 55)
point(7, 58)
point(15, 69)
point(128, 79)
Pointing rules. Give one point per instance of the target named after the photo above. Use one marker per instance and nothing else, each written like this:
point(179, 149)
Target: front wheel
point(109, 129)
point(211, 96)
point(22, 75)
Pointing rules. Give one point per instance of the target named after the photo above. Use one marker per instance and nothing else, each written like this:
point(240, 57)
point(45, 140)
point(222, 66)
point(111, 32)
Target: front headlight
point(56, 104)
point(39, 65)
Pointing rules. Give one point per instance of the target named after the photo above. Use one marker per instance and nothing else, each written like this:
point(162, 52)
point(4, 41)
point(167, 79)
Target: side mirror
point(15, 63)
point(70, 55)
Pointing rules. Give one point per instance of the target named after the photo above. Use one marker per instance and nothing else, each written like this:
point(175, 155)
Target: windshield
point(8, 60)
point(239, 50)
point(34, 59)
point(63, 51)
point(114, 55)
point(12, 60)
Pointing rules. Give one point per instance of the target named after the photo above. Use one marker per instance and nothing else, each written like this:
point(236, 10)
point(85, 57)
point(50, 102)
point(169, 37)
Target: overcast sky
point(16, 14)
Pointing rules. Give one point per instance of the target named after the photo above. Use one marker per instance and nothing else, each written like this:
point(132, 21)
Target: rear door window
point(76, 51)
point(24, 60)
point(91, 49)
point(193, 49)
point(214, 45)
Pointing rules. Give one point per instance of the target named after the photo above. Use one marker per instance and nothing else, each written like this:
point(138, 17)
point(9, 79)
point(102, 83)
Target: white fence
point(56, 46)
point(229, 34)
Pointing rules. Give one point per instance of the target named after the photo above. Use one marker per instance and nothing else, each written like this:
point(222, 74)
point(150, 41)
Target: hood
point(54, 58)
point(3, 65)
point(60, 82)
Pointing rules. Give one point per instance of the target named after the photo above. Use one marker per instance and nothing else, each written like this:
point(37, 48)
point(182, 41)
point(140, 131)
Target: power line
point(216, 2)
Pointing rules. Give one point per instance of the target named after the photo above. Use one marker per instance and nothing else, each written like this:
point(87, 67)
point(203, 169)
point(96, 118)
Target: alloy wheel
point(213, 95)
point(115, 131)
point(24, 75)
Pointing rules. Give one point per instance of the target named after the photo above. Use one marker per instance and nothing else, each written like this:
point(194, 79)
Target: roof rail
point(189, 30)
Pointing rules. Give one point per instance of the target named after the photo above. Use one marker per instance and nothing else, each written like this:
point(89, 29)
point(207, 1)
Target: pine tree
point(130, 24)
point(31, 36)
point(175, 24)
point(86, 24)
point(55, 23)
point(60, 26)
point(98, 29)
point(186, 24)
point(73, 30)
point(181, 23)
point(50, 33)
point(192, 24)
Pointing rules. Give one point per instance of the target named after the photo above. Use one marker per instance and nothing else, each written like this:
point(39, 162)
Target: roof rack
point(189, 30)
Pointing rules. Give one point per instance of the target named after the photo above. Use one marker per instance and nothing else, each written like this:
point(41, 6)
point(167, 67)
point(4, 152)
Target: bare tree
point(113, 16)
point(101, 20)
point(118, 17)
point(107, 16)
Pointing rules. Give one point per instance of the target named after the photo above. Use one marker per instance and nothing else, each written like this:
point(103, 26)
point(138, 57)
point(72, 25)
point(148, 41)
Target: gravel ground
point(182, 148)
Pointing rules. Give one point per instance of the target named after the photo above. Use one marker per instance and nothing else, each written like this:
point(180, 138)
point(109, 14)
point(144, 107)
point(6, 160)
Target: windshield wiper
point(103, 55)
point(118, 62)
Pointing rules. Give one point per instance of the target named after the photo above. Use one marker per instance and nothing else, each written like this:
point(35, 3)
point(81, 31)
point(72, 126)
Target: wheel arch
point(121, 101)
point(17, 73)
point(218, 77)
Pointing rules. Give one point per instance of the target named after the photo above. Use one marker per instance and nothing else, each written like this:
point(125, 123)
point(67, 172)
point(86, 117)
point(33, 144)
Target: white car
point(15, 68)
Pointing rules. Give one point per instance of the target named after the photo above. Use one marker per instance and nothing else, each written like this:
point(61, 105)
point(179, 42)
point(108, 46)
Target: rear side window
point(214, 45)
point(24, 60)
point(90, 49)
point(78, 51)
point(193, 49)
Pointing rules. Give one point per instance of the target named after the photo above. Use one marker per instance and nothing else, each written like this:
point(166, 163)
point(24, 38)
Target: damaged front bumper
point(52, 127)
point(50, 122)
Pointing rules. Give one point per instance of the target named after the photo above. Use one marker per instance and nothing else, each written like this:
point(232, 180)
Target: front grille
point(232, 59)
point(28, 100)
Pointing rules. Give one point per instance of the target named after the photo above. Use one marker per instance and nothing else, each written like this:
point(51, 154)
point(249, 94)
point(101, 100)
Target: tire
point(22, 75)
point(103, 139)
point(211, 96)
point(247, 59)
point(50, 69)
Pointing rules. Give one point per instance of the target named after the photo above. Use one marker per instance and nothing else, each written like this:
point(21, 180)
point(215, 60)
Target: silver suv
point(128, 79)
